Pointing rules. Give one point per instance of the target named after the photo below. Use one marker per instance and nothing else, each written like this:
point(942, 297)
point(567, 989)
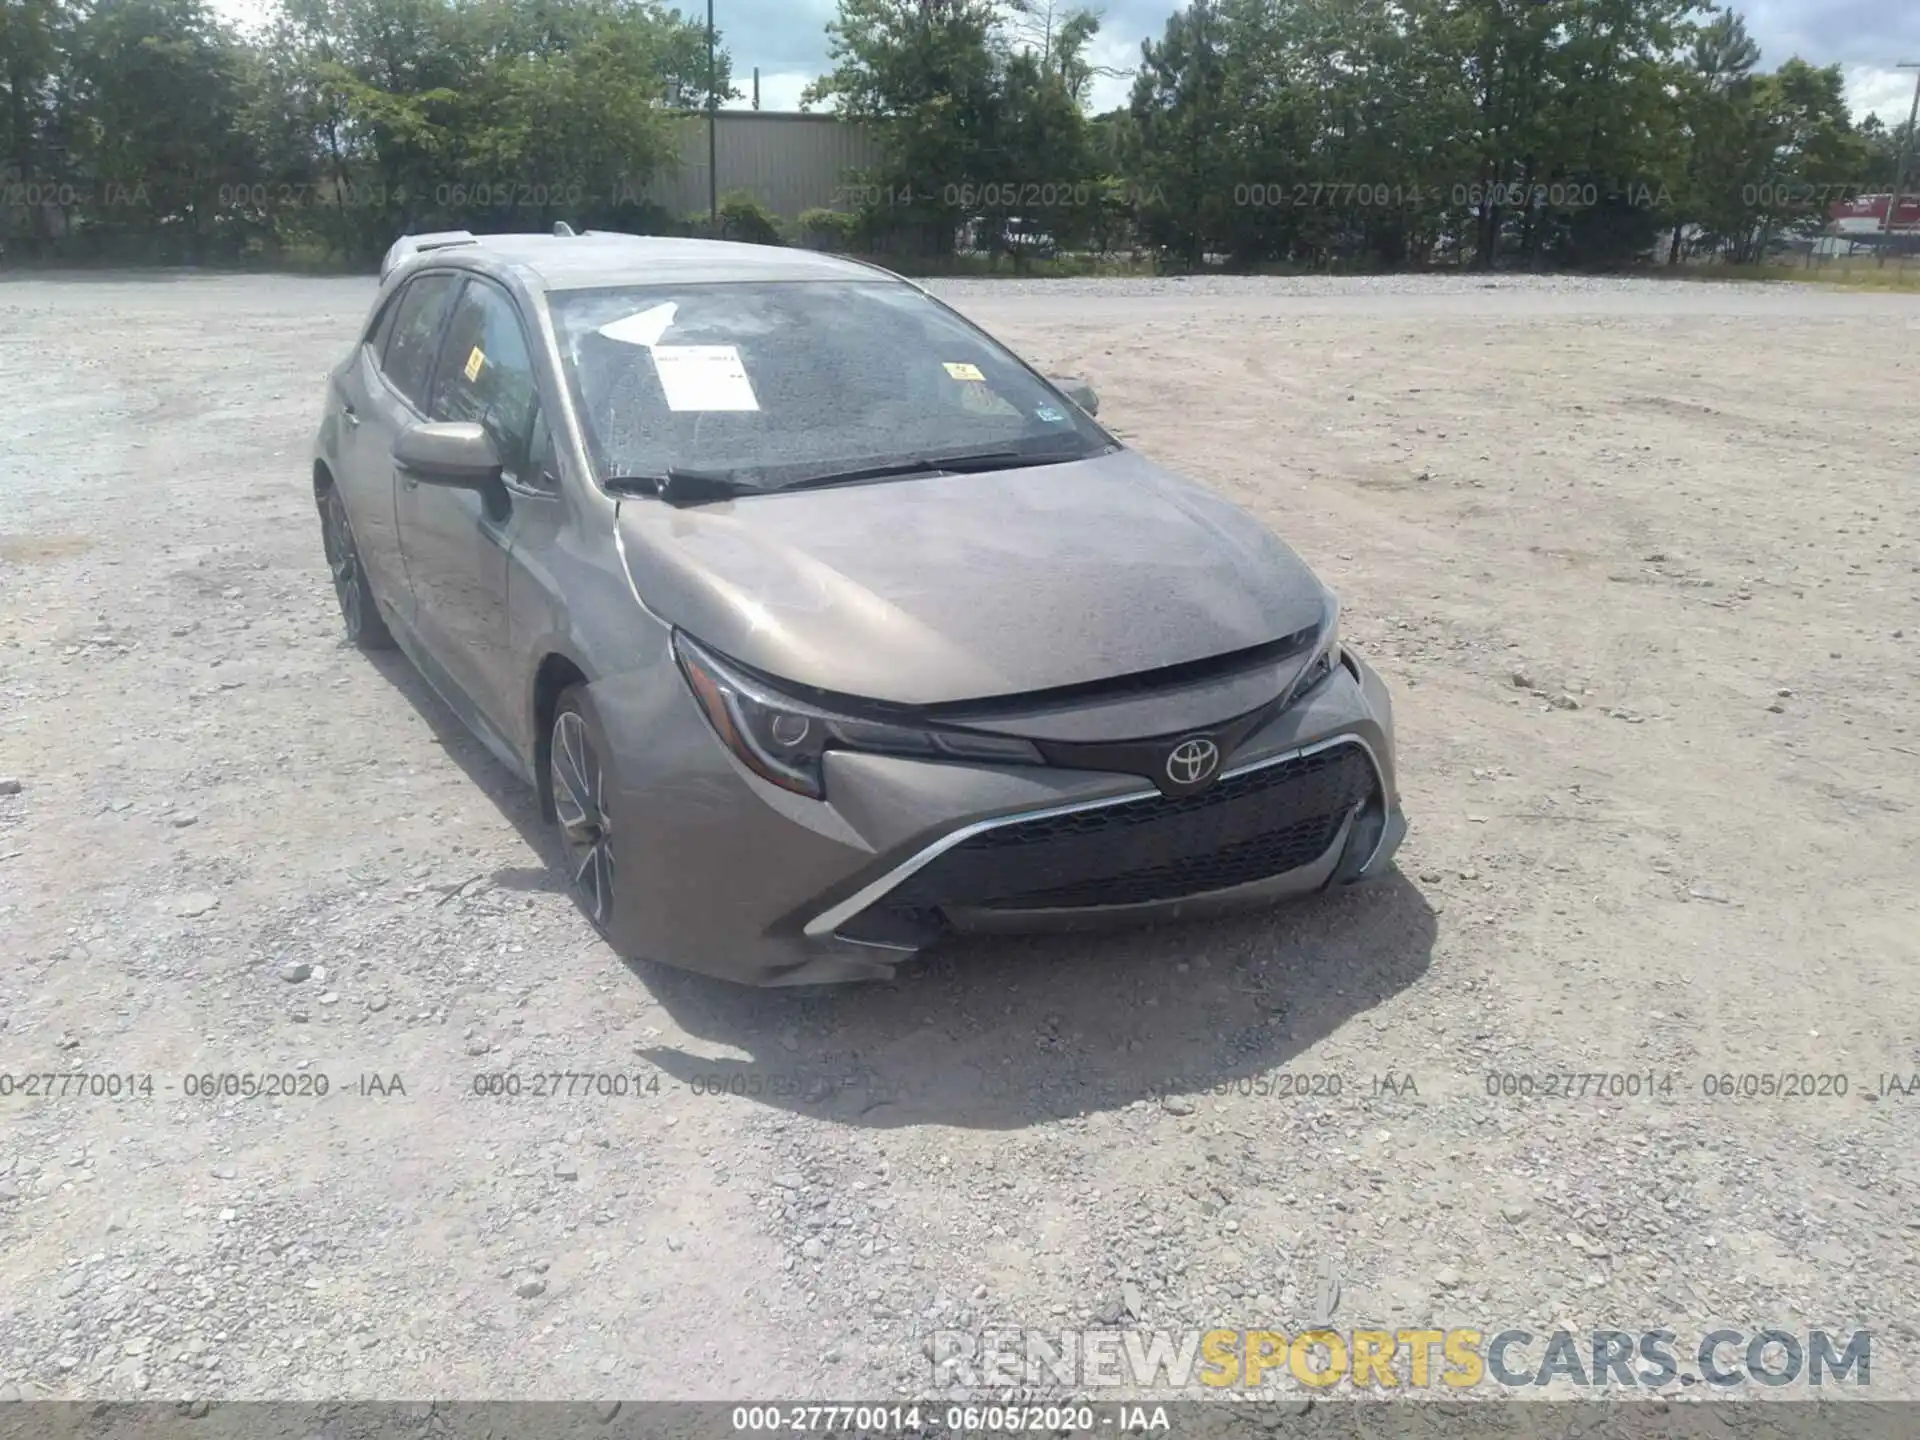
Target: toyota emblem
point(1192, 761)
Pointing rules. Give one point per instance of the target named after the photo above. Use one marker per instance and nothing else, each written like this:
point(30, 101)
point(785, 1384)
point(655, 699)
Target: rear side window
point(382, 326)
point(408, 358)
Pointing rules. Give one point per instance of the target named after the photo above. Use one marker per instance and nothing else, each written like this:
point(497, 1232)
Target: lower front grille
point(1287, 848)
point(1248, 827)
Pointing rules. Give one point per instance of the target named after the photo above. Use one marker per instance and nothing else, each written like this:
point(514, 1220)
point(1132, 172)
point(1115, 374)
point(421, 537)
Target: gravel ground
point(1639, 562)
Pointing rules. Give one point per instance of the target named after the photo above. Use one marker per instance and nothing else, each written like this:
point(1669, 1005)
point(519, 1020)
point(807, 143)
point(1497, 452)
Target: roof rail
point(407, 246)
point(890, 274)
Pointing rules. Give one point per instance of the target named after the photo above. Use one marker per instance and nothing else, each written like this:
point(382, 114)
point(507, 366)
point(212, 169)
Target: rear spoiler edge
point(407, 246)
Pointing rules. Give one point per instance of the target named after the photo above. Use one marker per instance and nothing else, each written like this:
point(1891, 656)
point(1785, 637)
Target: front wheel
point(359, 611)
point(576, 765)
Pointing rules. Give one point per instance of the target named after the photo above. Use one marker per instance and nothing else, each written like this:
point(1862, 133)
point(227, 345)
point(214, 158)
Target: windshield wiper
point(967, 462)
point(679, 486)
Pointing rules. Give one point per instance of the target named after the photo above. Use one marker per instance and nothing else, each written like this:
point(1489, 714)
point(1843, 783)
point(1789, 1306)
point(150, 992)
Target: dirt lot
point(1686, 846)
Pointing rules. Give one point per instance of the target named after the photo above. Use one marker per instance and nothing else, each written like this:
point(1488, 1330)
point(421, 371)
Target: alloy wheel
point(579, 803)
point(344, 561)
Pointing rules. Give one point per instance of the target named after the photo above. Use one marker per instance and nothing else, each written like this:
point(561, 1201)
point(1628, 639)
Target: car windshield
point(785, 382)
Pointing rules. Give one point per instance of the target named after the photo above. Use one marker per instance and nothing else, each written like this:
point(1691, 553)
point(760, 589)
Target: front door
point(393, 395)
point(456, 542)
point(375, 400)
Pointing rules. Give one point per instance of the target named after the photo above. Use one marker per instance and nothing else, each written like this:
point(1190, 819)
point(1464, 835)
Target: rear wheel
point(576, 768)
point(359, 611)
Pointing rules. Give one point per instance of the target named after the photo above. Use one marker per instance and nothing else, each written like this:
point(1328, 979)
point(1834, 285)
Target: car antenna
point(562, 230)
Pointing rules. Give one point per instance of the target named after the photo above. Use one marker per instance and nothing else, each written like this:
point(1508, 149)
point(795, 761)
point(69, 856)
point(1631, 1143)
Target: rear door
point(394, 384)
point(363, 469)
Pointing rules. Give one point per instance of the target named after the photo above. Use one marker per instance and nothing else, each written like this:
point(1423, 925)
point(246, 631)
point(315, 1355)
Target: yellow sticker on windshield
point(964, 371)
point(474, 362)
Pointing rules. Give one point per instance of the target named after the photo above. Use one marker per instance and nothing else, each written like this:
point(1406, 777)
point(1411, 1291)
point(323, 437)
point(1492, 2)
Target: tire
point(577, 776)
point(359, 611)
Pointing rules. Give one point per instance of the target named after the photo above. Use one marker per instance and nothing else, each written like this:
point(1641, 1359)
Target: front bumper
point(725, 874)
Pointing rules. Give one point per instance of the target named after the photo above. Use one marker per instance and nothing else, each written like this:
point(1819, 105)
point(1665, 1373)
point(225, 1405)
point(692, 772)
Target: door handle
point(347, 414)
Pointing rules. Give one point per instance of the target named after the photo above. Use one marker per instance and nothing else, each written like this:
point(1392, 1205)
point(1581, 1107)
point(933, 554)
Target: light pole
point(1906, 149)
point(713, 148)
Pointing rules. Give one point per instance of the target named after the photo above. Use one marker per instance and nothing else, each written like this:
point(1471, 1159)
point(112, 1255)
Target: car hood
point(965, 587)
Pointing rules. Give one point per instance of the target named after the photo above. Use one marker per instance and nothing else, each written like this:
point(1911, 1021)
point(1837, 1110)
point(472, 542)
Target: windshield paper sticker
point(644, 328)
point(703, 377)
point(474, 362)
point(962, 371)
point(1048, 414)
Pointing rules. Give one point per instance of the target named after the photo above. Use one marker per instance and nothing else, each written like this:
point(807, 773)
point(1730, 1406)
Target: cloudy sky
point(787, 40)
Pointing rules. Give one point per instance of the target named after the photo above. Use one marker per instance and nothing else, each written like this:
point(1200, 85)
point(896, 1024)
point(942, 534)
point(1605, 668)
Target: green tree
point(1180, 125)
point(1606, 184)
point(980, 112)
point(1806, 153)
point(922, 75)
point(569, 111)
point(1883, 144)
point(421, 114)
point(1716, 104)
point(157, 99)
point(32, 41)
point(1037, 165)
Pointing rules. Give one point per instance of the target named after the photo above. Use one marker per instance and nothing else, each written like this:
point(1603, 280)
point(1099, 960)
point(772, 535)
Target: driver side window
point(486, 375)
point(406, 355)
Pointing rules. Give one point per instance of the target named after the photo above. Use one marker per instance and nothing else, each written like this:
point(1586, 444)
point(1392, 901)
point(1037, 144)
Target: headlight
point(1326, 655)
point(782, 739)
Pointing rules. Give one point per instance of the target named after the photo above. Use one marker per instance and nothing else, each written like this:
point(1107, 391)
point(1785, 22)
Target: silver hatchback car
point(823, 625)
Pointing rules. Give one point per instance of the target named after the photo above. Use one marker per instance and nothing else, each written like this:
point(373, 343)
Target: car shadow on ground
point(1002, 1033)
point(511, 795)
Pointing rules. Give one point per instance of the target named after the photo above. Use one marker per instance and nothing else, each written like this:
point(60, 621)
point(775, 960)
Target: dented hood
point(963, 587)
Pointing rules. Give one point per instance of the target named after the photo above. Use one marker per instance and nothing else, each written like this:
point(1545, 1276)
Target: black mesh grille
point(1244, 828)
point(1285, 849)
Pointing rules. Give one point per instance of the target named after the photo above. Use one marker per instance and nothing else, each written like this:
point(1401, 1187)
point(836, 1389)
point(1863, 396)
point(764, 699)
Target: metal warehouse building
point(788, 160)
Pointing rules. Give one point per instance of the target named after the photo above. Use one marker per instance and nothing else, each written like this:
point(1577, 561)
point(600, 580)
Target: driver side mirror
point(458, 453)
point(1081, 393)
